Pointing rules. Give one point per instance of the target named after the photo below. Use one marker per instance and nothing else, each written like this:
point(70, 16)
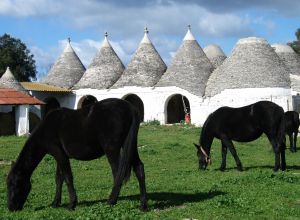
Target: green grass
point(176, 188)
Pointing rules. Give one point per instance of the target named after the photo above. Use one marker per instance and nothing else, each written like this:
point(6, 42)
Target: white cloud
point(167, 21)
point(268, 24)
point(29, 7)
point(225, 25)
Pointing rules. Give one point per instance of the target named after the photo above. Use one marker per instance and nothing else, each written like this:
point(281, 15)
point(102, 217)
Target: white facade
point(22, 120)
point(155, 100)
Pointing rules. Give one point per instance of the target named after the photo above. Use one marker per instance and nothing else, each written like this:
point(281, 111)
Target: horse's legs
point(67, 172)
point(282, 154)
point(113, 158)
point(138, 168)
point(277, 151)
point(224, 153)
point(291, 142)
point(232, 150)
point(59, 181)
point(295, 140)
point(64, 164)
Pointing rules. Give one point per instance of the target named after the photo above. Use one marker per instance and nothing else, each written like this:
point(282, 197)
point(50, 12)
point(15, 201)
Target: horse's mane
point(204, 127)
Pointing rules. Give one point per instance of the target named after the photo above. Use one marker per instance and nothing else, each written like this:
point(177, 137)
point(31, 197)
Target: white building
point(15, 103)
point(194, 82)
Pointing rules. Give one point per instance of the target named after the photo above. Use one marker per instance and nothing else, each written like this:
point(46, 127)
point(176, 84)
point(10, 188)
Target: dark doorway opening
point(177, 107)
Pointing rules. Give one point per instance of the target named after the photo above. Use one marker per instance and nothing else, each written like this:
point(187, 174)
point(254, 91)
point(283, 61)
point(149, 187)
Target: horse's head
point(18, 188)
point(203, 157)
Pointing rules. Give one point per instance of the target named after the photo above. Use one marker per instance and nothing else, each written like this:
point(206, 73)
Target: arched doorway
point(137, 103)
point(176, 107)
point(86, 100)
point(51, 104)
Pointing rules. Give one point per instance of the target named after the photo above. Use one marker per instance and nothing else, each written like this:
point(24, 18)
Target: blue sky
point(44, 25)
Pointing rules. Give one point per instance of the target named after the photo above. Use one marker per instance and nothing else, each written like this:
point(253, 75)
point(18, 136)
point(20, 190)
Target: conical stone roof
point(67, 70)
point(145, 68)
point(104, 71)
point(8, 81)
point(215, 54)
point(290, 58)
point(190, 68)
point(253, 63)
point(295, 82)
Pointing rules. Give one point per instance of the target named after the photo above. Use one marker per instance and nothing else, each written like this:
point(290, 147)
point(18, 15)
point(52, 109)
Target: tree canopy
point(296, 44)
point(14, 54)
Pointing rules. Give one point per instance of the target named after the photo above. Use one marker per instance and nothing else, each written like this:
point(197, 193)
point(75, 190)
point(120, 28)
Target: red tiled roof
point(14, 97)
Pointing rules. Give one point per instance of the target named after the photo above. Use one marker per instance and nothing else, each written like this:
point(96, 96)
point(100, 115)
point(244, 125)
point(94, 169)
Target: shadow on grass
point(293, 167)
point(164, 200)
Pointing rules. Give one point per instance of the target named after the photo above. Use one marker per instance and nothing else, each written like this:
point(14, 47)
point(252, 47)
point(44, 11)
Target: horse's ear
point(197, 146)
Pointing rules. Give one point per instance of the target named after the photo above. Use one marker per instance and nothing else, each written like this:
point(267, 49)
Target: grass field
point(176, 188)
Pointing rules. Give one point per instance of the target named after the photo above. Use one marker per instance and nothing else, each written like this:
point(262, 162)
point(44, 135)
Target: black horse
point(292, 123)
point(105, 127)
point(243, 124)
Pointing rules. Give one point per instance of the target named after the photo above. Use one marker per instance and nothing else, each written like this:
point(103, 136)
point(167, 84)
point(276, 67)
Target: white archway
point(176, 107)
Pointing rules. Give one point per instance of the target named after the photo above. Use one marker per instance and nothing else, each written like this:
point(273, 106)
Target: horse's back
point(246, 123)
point(268, 114)
point(86, 133)
point(233, 123)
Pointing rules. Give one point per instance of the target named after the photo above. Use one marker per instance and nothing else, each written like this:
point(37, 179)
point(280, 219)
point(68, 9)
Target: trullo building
point(196, 82)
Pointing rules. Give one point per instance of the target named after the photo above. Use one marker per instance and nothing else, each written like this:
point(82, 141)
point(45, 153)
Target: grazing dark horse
point(243, 124)
point(107, 127)
point(292, 123)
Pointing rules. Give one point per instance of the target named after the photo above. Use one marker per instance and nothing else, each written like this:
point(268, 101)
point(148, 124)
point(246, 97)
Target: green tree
point(14, 53)
point(296, 44)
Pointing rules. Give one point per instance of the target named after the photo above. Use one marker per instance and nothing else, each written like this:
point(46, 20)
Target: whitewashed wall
point(242, 97)
point(22, 120)
point(155, 99)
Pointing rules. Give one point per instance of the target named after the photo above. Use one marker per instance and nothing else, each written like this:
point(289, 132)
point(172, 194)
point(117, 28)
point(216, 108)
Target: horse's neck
point(206, 139)
point(29, 158)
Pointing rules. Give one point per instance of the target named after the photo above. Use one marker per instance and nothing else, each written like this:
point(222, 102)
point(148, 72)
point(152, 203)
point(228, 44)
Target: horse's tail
point(128, 150)
point(281, 131)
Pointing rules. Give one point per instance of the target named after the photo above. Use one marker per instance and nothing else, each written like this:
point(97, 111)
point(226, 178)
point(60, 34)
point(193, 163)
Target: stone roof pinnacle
point(105, 41)
point(146, 39)
point(189, 35)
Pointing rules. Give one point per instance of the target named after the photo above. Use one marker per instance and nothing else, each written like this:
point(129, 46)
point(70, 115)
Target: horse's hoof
point(222, 169)
point(144, 208)
point(276, 169)
point(111, 202)
point(55, 204)
point(71, 207)
point(240, 169)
